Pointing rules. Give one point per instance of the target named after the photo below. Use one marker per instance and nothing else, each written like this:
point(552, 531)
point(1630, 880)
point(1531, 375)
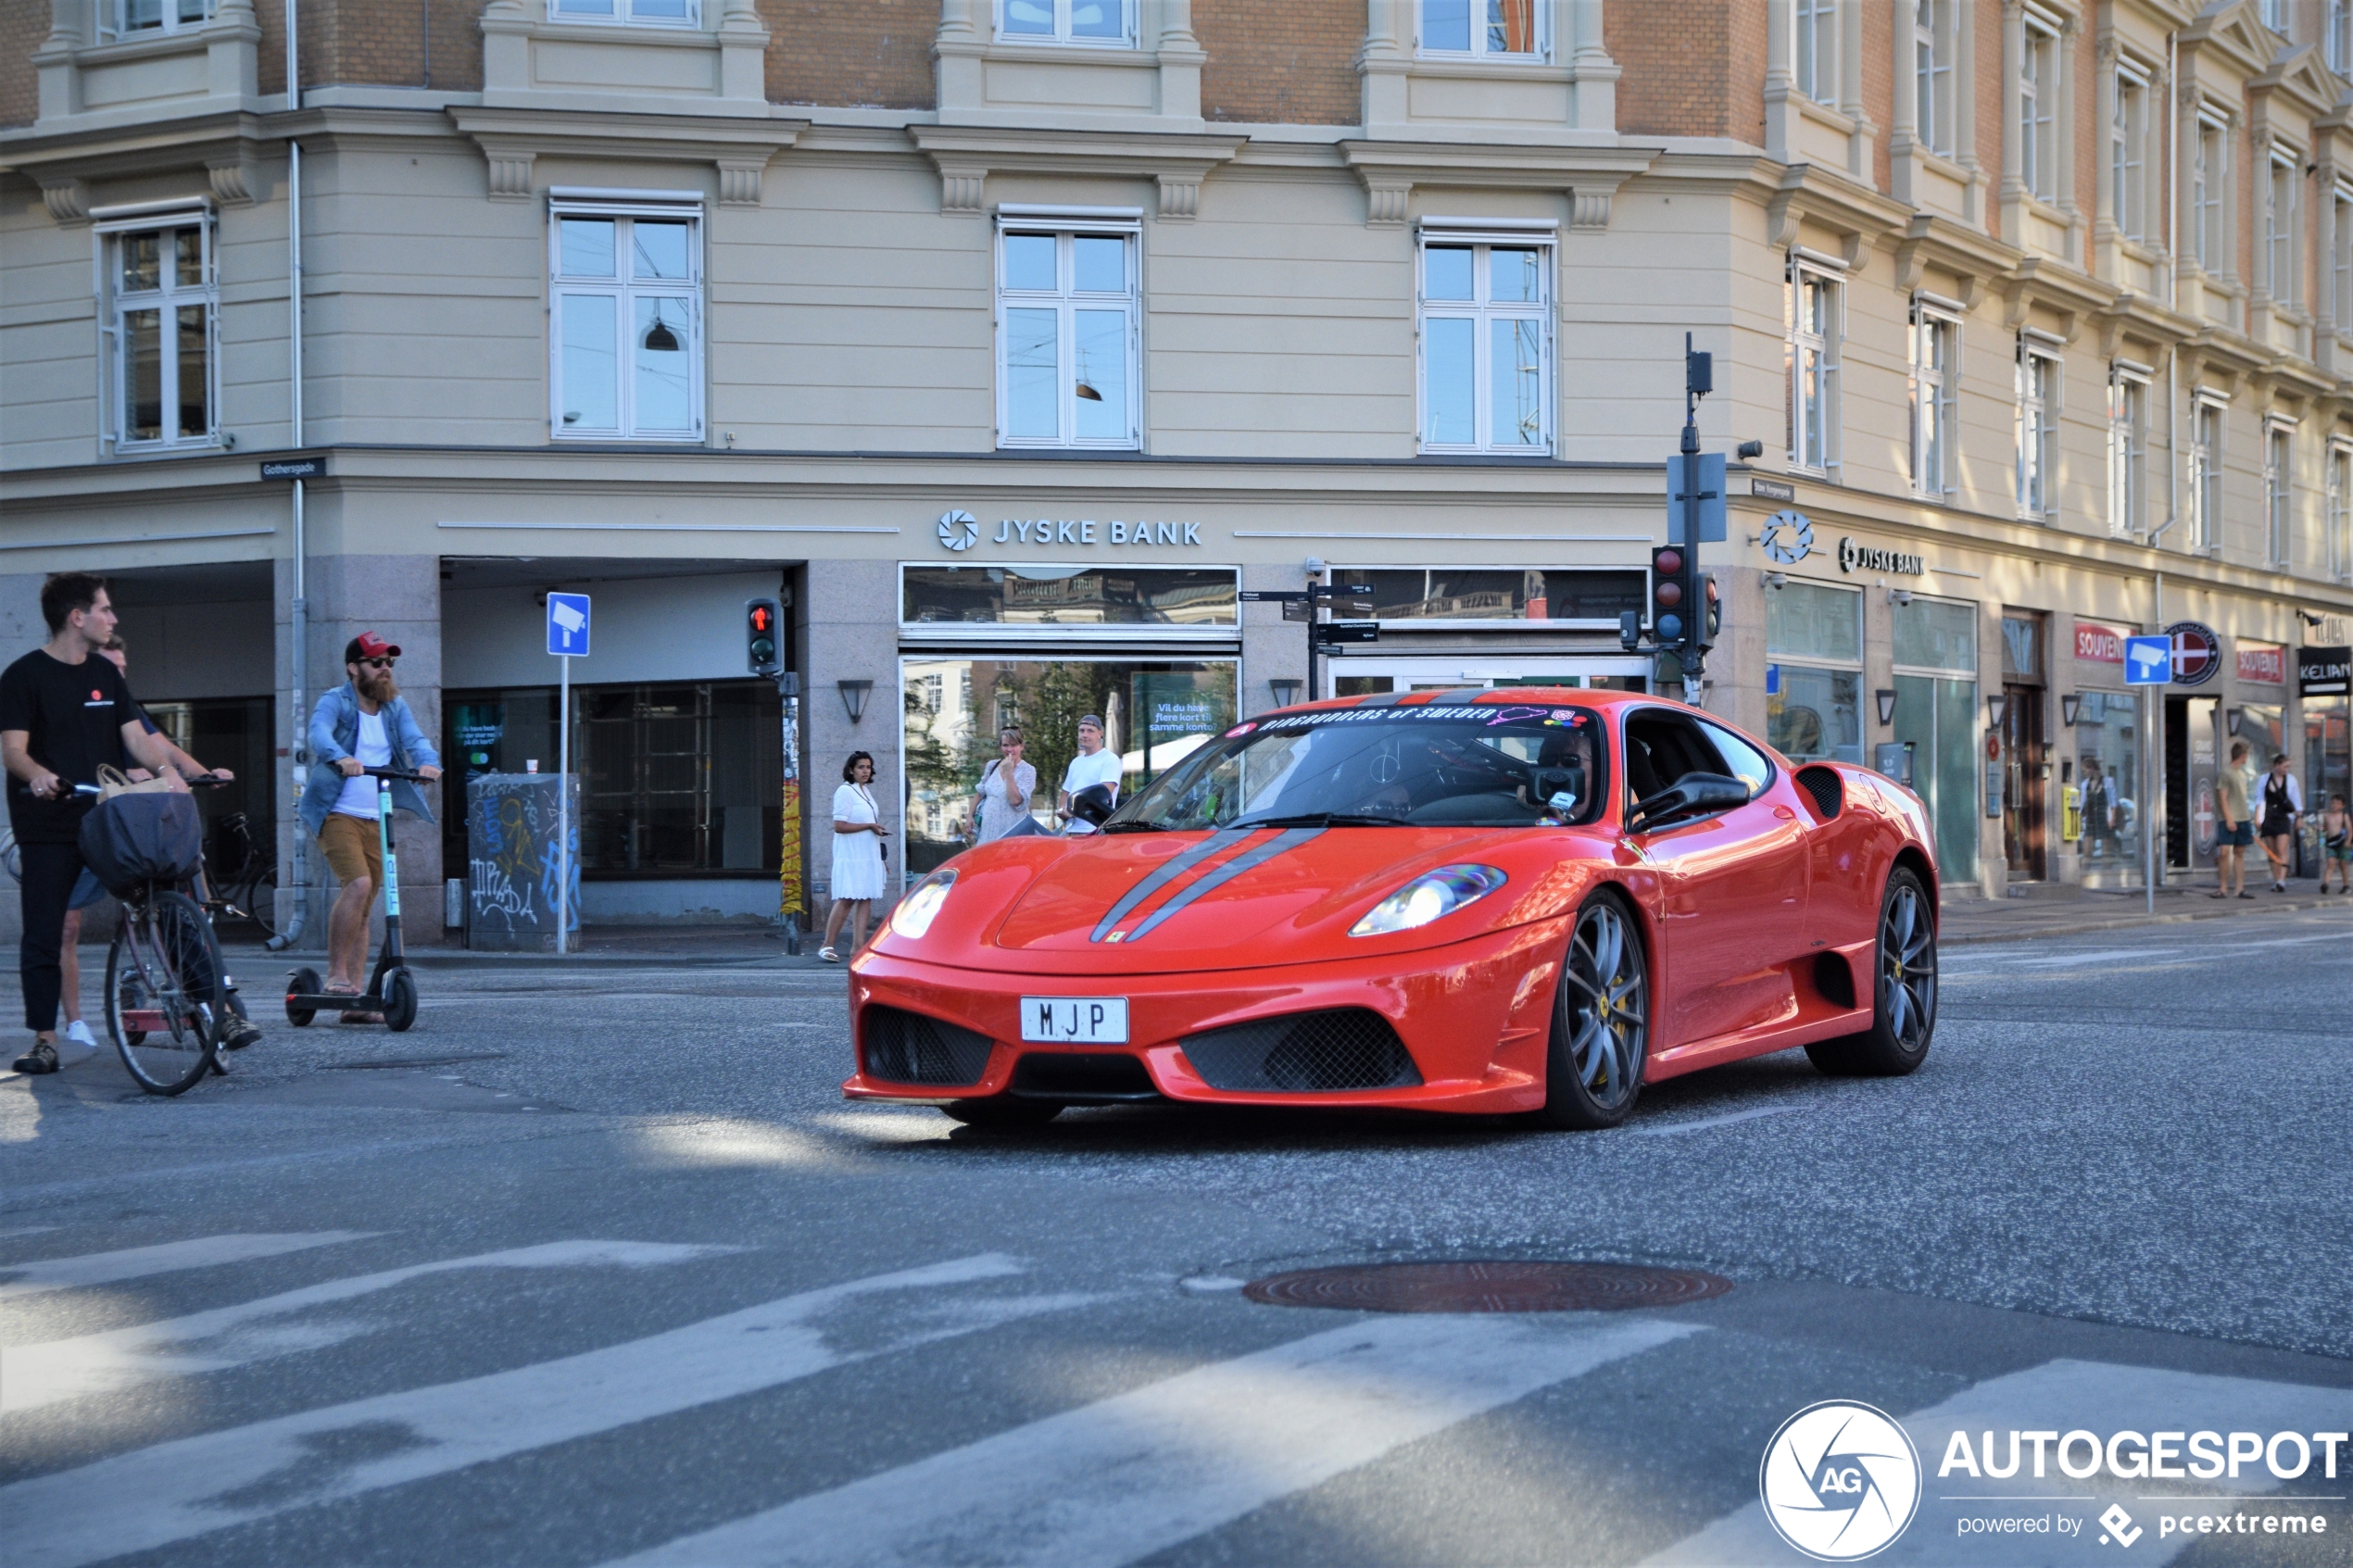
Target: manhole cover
point(1486, 1288)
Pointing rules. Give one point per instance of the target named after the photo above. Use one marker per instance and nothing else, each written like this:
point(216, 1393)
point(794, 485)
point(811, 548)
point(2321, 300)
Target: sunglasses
point(377, 663)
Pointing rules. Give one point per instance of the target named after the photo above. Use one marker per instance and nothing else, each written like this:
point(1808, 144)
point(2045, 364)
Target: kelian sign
point(2095, 644)
point(2263, 662)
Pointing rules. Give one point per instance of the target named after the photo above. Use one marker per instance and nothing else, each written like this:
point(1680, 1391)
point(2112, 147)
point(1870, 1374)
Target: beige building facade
point(1012, 343)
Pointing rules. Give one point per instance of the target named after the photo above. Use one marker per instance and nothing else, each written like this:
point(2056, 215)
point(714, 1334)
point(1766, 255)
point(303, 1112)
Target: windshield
point(1500, 766)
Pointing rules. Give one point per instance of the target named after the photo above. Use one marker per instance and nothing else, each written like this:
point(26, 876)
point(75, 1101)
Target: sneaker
point(79, 1032)
point(241, 1032)
point(42, 1057)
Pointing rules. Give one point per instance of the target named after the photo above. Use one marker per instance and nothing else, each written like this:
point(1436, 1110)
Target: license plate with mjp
point(1075, 1020)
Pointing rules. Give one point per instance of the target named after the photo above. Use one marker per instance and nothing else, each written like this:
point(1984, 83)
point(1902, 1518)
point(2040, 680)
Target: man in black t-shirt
point(64, 713)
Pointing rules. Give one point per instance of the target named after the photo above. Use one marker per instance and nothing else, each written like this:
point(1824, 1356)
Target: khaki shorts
point(352, 849)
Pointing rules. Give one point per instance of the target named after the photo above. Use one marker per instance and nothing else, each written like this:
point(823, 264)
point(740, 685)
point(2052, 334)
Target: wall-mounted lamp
point(1899, 596)
point(2070, 706)
point(853, 698)
point(1286, 690)
point(2314, 621)
point(1886, 696)
point(1995, 706)
point(1777, 579)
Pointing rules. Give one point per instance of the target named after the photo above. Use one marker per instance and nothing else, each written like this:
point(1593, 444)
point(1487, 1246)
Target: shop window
point(2038, 388)
point(1814, 640)
point(1098, 22)
point(2128, 396)
point(1814, 48)
point(1155, 714)
point(132, 16)
point(1816, 326)
point(2279, 486)
point(2128, 151)
point(635, 13)
point(1487, 343)
point(2280, 226)
point(677, 780)
point(2206, 472)
point(1934, 642)
point(1467, 596)
point(1934, 46)
point(1066, 333)
point(1168, 597)
point(162, 303)
point(2107, 767)
point(1506, 29)
point(1936, 360)
point(627, 344)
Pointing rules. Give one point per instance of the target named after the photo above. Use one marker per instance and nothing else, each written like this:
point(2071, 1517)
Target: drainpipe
point(298, 626)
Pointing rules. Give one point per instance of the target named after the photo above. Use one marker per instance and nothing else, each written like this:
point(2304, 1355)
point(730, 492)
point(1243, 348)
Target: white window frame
point(117, 22)
point(2128, 396)
point(2340, 510)
point(673, 206)
point(1933, 108)
point(2128, 151)
point(1935, 395)
point(1814, 49)
point(2341, 257)
point(2273, 14)
point(111, 228)
point(1813, 430)
point(2210, 193)
point(2283, 177)
point(1542, 35)
point(1062, 35)
point(2209, 439)
point(1066, 224)
point(2338, 32)
point(1483, 235)
point(2038, 414)
point(622, 13)
point(2038, 105)
point(2278, 491)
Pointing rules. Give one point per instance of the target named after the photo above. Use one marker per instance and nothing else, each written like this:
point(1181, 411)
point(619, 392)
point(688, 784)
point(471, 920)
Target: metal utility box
point(511, 862)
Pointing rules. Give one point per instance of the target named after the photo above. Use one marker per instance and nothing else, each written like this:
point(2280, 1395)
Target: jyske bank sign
point(960, 531)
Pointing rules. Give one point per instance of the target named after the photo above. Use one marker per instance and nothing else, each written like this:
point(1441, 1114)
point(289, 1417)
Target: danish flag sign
point(2198, 652)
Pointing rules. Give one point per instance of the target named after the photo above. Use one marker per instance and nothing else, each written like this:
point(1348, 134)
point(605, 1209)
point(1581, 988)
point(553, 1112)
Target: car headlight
point(1427, 898)
point(918, 909)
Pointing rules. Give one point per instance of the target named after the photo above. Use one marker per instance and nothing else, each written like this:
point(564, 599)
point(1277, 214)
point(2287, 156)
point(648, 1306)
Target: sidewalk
point(2063, 910)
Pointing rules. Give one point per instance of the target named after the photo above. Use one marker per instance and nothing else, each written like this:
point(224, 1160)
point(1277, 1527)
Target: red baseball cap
point(372, 647)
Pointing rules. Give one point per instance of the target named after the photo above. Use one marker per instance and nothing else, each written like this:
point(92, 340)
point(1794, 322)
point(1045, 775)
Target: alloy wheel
point(1908, 968)
point(1610, 1005)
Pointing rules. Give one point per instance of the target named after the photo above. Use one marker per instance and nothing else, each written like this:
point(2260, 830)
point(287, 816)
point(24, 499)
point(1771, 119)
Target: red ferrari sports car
point(1526, 899)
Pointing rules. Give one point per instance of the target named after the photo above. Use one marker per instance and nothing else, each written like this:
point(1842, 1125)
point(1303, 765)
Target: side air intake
point(1824, 786)
point(907, 1047)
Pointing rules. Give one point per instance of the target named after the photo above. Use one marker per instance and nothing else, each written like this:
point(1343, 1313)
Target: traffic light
point(1670, 596)
point(1713, 621)
point(764, 637)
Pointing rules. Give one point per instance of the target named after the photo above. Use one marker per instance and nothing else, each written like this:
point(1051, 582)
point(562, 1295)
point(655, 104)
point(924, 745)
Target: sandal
point(828, 955)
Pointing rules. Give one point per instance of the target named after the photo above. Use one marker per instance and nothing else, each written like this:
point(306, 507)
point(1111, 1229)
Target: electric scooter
point(392, 990)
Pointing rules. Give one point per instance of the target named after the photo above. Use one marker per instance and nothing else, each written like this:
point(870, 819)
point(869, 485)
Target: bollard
point(453, 903)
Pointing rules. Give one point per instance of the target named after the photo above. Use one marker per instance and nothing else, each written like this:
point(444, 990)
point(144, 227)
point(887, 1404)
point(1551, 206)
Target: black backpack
point(136, 839)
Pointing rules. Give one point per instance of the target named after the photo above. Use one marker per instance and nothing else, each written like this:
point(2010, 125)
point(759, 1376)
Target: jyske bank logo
point(1840, 1481)
point(959, 530)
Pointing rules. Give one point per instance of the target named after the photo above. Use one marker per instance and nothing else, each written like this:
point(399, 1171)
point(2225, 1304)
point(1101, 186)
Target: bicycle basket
point(136, 839)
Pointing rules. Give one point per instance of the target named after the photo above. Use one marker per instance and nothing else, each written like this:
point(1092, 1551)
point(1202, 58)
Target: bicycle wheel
point(164, 959)
point(259, 898)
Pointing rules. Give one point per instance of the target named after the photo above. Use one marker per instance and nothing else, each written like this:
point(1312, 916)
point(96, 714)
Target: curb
point(2121, 922)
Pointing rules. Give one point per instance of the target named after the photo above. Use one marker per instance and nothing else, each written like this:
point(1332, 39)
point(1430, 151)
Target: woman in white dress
point(861, 863)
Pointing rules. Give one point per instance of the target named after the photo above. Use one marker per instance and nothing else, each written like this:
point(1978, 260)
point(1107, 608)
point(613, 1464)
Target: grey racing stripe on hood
point(1289, 840)
point(1215, 844)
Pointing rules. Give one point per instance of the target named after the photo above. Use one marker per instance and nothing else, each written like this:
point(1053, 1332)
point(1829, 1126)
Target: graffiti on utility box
point(512, 863)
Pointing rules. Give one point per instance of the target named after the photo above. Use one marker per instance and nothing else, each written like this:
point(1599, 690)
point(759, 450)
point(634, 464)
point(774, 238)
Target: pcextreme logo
point(1840, 1481)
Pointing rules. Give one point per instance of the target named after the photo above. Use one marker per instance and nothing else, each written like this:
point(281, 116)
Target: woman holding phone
point(861, 860)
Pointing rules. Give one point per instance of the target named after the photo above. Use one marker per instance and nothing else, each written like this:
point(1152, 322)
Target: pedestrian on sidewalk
point(861, 860)
point(2232, 788)
point(63, 715)
point(2336, 844)
point(2282, 803)
point(364, 724)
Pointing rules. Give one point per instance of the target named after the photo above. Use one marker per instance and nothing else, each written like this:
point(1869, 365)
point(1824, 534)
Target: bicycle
point(250, 878)
point(163, 979)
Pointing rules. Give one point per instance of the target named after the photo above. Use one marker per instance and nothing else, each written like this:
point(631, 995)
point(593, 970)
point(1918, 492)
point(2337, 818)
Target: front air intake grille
point(1304, 1053)
point(907, 1047)
point(1824, 786)
point(1082, 1077)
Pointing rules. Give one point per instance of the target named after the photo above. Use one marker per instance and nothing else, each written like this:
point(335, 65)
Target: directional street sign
point(2148, 661)
point(568, 624)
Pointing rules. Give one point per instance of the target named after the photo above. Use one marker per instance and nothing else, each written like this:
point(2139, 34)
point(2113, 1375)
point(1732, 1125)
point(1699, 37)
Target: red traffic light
point(1667, 562)
point(763, 617)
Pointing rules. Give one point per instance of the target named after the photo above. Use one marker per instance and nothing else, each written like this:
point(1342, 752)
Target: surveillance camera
point(1748, 449)
point(1776, 579)
point(1899, 596)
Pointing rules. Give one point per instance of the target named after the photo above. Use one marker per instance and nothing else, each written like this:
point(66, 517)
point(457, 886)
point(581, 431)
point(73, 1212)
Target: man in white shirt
point(1093, 765)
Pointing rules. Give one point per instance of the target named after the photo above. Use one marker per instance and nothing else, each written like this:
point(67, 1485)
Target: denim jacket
point(335, 734)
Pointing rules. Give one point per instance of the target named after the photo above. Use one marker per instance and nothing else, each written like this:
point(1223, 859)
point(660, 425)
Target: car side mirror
point(1093, 805)
point(1691, 794)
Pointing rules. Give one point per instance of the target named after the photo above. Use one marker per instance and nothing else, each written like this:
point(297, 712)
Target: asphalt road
point(595, 1265)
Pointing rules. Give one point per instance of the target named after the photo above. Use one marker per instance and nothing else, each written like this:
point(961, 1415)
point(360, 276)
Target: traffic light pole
point(1698, 382)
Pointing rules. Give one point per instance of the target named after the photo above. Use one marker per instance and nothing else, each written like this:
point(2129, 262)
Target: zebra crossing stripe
point(33, 1375)
point(1117, 1480)
point(171, 1257)
point(154, 1496)
point(2059, 1396)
